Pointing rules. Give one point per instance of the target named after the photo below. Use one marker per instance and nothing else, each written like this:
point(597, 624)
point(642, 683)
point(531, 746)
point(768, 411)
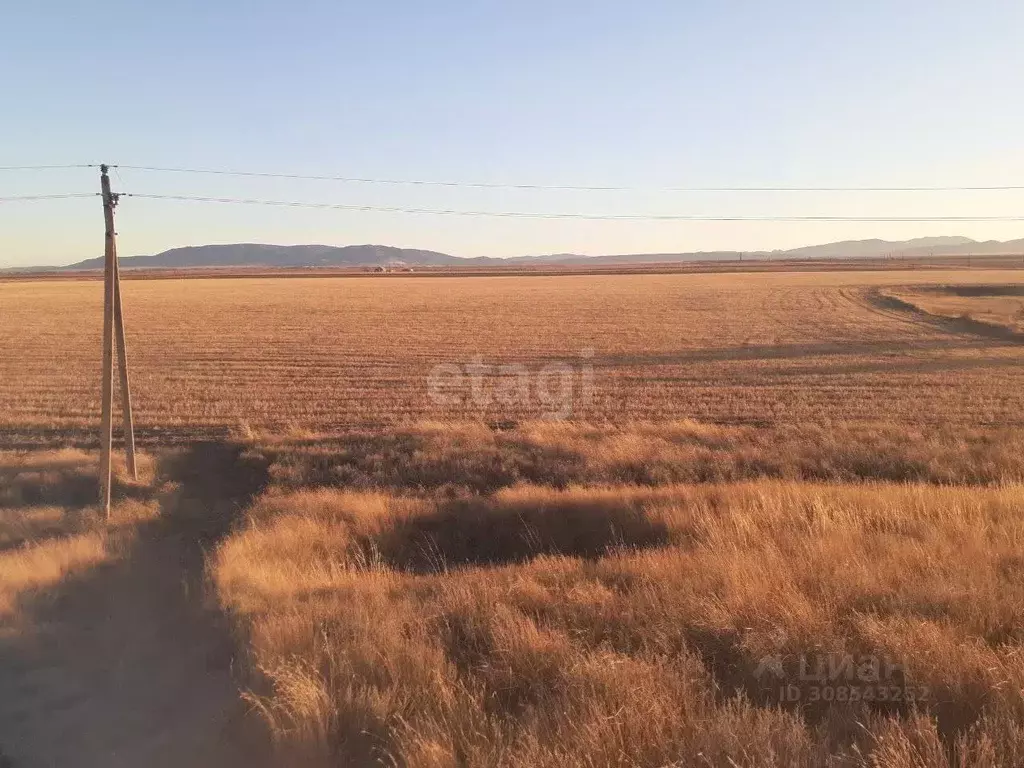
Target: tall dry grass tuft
point(49, 531)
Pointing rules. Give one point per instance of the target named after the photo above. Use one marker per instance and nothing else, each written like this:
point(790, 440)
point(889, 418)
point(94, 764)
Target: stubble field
point(320, 354)
point(637, 520)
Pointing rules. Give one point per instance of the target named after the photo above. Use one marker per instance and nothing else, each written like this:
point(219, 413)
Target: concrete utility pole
point(113, 322)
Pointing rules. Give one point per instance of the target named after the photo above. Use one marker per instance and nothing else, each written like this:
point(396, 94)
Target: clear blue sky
point(644, 94)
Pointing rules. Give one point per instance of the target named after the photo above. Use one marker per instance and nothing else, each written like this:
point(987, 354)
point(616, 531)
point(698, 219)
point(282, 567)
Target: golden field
point(773, 519)
point(322, 354)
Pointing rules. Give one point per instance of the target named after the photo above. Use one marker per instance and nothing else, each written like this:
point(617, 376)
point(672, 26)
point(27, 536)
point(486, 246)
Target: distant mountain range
point(258, 255)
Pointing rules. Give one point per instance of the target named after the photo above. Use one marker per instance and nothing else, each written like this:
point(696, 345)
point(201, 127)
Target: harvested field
point(210, 356)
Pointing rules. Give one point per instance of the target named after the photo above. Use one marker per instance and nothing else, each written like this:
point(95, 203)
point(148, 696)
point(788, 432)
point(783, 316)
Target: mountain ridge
point(312, 256)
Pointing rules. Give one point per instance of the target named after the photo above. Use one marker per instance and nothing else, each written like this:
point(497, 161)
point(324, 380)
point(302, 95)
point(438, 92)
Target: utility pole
point(122, 359)
point(113, 323)
point(107, 386)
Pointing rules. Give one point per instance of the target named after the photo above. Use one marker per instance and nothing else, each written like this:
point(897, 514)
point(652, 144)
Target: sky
point(645, 95)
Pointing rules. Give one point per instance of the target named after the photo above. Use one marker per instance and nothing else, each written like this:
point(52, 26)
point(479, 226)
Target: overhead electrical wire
point(44, 167)
point(30, 198)
point(547, 215)
point(515, 214)
point(519, 214)
point(26, 198)
point(564, 187)
point(502, 185)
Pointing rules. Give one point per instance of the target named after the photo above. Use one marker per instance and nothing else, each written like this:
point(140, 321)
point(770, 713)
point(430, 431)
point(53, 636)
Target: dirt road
point(131, 664)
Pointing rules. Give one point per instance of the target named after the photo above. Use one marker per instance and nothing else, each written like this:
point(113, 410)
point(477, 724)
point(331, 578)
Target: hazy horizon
point(752, 251)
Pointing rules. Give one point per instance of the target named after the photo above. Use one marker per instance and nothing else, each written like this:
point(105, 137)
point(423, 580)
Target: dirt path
point(129, 664)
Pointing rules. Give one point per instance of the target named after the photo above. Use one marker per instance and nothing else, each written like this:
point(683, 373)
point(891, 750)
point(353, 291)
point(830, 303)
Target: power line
point(545, 215)
point(43, 167)
point(564, 187)
point(26, 198)
point(358, 180)
point(496, 185)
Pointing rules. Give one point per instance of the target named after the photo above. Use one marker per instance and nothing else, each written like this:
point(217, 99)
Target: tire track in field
point(956, 326)
point(859, 298)
point(873, 302)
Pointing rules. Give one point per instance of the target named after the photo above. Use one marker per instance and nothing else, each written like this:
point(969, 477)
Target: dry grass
point(634, 658)
point(48, 530)
point(26, 571)
point(457, 458)
point(524, 624)
point(321, 354)
point(774, 467)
